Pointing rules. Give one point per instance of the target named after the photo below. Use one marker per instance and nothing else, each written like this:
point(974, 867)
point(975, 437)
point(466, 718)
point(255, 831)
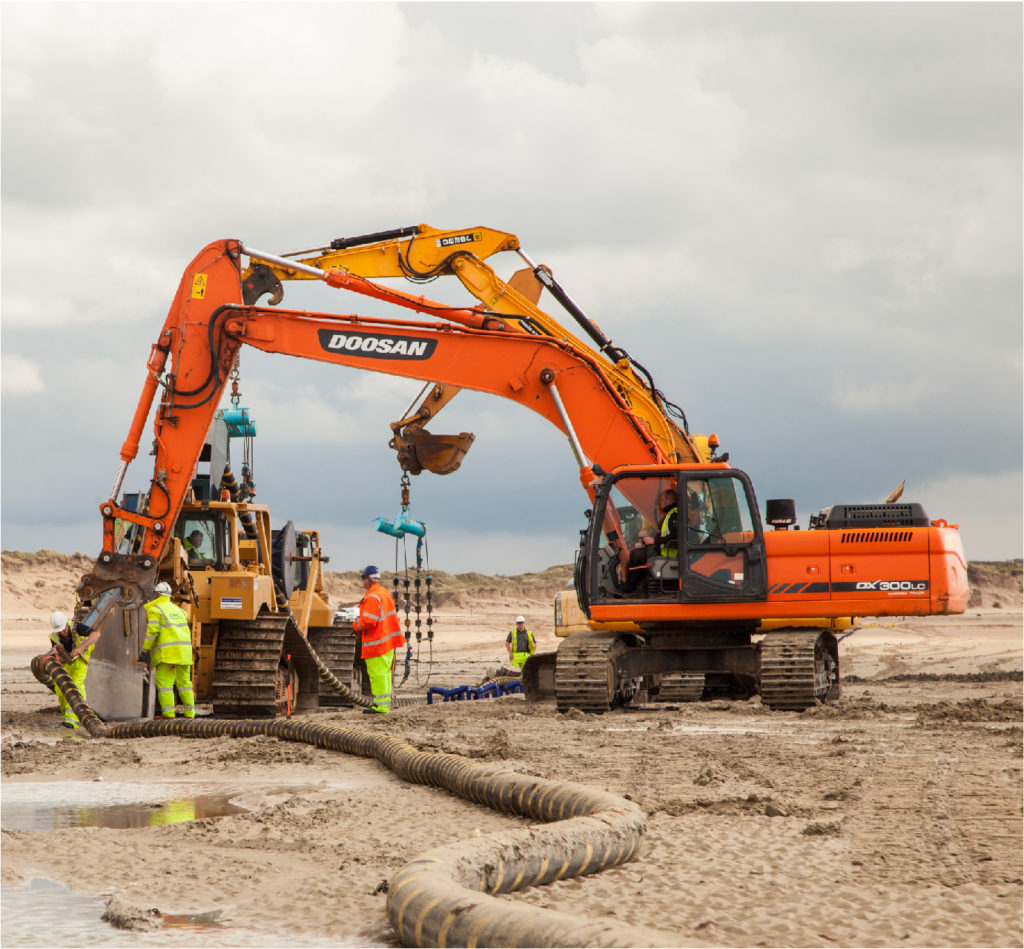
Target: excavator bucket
point(441, 454)
point(526, 284)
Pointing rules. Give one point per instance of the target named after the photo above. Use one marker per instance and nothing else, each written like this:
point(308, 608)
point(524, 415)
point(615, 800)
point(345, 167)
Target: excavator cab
point(685, 535)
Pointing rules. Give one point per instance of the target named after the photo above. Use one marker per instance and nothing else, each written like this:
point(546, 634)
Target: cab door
point(721, 543)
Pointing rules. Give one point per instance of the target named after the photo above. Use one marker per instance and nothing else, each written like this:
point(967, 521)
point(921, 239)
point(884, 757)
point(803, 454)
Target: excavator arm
point(190, 363)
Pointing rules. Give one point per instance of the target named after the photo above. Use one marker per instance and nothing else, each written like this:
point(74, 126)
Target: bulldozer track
point(252, 669)
point(584, 672)
point(336, 645)
point(799, 669)
point(681, 687)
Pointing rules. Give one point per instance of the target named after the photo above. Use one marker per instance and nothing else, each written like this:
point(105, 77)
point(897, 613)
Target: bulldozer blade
point(418, 449)
point(538, 677)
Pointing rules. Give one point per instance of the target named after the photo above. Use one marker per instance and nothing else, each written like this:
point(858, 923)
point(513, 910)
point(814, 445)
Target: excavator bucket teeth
point(441, 454)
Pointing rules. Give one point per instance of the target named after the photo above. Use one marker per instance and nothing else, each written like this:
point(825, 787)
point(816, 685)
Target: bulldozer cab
point(665, 536)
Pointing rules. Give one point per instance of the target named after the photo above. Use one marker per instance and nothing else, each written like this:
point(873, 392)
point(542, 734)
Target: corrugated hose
point(447, 897)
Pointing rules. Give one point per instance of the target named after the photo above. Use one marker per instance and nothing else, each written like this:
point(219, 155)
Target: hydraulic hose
point(446, 897)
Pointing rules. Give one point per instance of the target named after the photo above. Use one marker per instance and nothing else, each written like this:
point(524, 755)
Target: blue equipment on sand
point(467, 692)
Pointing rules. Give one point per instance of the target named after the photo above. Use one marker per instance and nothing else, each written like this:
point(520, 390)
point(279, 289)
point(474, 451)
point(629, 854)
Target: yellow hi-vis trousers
point(379, 670)
point(169, 676)
point(77, 670)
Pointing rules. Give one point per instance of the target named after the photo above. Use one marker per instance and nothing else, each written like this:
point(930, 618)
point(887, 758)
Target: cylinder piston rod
point(548, 378)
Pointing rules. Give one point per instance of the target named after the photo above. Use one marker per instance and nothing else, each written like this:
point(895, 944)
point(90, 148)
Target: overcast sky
point(804, 220)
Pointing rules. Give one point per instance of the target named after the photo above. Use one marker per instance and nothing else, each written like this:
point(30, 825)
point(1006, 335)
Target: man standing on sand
point(169, 644)
point(520, 644)
point(72, 645)
point(381, 636)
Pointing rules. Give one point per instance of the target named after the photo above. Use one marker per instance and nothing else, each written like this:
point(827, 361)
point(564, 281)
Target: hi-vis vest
point(667, 529)
point(523, 645)
point(70, 638)
point(378, 622)
point(168, 636)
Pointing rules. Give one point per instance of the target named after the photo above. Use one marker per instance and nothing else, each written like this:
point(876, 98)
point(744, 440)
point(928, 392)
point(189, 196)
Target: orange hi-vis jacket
point(378, 622)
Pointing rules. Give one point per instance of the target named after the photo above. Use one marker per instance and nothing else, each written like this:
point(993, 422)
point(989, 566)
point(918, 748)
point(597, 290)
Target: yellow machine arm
point(421, 253)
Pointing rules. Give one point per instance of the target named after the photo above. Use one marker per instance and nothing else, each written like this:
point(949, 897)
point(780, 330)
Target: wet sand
point(893, 818)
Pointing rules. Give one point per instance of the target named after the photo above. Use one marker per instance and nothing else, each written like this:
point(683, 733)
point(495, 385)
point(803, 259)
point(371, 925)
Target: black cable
point(213, 375)
point(156, 484)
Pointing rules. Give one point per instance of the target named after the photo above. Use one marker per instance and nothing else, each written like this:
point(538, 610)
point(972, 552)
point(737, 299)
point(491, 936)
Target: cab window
point(202, 539)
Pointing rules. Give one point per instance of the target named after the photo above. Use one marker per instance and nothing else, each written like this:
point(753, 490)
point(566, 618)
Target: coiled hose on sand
point(447, 897)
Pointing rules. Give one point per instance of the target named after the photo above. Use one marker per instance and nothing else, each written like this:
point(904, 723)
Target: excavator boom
point(424, 253)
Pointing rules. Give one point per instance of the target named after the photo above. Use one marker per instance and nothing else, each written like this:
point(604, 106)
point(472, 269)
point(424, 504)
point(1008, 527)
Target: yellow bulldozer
point(254, 596)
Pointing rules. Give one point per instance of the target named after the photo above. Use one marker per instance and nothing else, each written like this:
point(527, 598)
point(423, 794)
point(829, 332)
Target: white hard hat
point(520, 619)
point(162, 589)
point(58, 621)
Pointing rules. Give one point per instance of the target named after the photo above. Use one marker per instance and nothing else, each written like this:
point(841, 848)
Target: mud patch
point(823, 830)
point(971, 710)
point(122, 915)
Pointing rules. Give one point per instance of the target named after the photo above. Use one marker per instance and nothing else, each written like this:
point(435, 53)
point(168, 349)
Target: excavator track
point(799, 668)
point(585, 676)
point(336, 645)
point(680, 687)
point(253, 674)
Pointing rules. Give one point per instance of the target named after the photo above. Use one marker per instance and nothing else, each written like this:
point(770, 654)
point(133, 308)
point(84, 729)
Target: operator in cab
point(72, 645)
point(642, 550)
point(168, 645)
point(381, 633)
point(191, 544)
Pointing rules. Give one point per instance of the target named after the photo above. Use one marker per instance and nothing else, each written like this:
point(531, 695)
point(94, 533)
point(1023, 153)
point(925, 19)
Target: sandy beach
point(892, 818)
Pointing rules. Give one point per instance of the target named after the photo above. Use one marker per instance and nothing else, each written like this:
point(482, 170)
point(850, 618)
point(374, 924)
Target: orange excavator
point(697, 587)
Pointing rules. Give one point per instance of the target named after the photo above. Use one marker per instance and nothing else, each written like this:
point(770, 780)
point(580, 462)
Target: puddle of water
point(116, 816)
point(118, 805)
point(43, 914)
point(48, 805)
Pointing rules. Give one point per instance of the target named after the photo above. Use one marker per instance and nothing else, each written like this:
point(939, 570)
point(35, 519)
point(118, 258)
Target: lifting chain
point(411, 589)
point(236, 377)
point(247, 488)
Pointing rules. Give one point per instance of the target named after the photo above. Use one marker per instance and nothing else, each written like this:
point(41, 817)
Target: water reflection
point(68, 804)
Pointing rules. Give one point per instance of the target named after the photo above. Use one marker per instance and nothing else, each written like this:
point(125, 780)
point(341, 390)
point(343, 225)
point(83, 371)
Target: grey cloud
point(804, 219)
